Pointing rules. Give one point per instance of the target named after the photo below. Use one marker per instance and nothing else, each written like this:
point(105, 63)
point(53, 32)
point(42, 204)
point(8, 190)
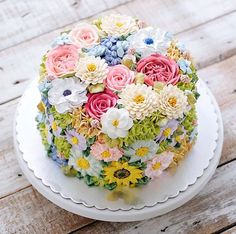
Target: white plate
point(144, 205)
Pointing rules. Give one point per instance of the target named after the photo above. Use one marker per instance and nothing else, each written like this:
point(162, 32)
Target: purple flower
point(167, 130)
point(55, 128)
point(77, 141)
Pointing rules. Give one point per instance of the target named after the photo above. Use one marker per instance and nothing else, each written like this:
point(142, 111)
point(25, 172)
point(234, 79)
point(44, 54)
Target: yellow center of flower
point(172, 101)
point(83, 163)
point(54, 126)
point(91, 67)
point(156, 166)
point(167, 132)
point(74, 140)
point(119, 24)
point(106, 154)
point(139, 99)
point(115, 123)
point(142, 151)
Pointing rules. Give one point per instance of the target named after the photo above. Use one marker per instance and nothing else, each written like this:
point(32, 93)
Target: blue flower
point(54, 156)
point(40, 117)
point(43, 88)
point(185, 66)
point(63, 39)
point(112, 49)
point(181, 46)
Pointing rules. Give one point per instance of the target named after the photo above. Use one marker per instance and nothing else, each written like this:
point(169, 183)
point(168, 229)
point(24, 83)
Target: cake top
point(117, 93)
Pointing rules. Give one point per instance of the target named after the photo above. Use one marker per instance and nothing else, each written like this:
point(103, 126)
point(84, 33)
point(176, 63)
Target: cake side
point(117, 102)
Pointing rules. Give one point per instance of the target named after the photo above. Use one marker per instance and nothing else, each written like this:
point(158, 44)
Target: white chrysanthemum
point(66, 94)
point(85, 165)
point(92, 70)
point(149, 40)
point(118, 25)
point(172, 102)
point(139, 99)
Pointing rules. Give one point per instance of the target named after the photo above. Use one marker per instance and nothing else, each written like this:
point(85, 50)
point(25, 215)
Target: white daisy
point(66, 94)
point(85, 165)
point(142, 150)
point(92, 70)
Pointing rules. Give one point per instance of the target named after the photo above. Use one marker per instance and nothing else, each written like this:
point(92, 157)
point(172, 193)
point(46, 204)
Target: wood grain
point(29, 212)
point(28, 27)
point(21, 62)
point(208, 212)
point(23, 20)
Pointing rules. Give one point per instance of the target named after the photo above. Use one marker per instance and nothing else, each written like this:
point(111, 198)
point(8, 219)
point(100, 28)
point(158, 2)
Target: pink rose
point(159, 68)
point(99, 103)
point(84, 35)
point(118, 77)
point(62, 60)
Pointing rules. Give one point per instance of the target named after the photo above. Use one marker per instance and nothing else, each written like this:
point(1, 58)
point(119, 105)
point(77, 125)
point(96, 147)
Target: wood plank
point(21, 62)
point(230, 231)
point(208, 212)
point(23, 20)
point(29, 212)
point(217, 75)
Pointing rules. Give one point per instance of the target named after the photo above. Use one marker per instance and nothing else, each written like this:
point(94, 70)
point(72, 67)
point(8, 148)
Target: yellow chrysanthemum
point(84, 124)
point(174, 52)
point(122, 174)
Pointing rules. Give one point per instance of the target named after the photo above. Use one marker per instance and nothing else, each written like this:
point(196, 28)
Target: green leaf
point(110, 186)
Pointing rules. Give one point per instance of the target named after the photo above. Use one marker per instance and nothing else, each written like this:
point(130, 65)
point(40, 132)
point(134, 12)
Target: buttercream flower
point(112, 49)
point(84, 35)
point(142, 150)
point(116, 122)
point(118, 25)
point(54, 126)
point(63, 39)
point(140, 100)
point(77, 141)
point(167, 130)
point(66, 94)
point(122, 174)
point(84, 124)
point(99, 103)
point(118, 77)
point(149, 40)
point(185, 66)
point(85, 165)
point(172, 102)
point(105, 153)
point(159, 68)
point(159, 164)
point(62, 60)
point(91, 70)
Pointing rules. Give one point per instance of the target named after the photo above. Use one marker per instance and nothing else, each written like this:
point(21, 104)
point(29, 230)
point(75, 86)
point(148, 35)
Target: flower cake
point(117, 102)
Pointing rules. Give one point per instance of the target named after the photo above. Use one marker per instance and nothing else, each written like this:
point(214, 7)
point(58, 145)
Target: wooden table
point(208, 29)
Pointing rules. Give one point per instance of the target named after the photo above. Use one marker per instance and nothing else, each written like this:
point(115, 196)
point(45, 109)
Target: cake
point(118, 102)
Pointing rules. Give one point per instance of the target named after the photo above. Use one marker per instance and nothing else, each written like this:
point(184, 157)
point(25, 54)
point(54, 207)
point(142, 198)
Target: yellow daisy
point(122, 174)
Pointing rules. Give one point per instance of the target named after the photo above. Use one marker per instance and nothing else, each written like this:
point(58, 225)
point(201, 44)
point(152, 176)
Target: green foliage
point(63, 146)
point(62, 120)
point(146, 129)
point(69, 171)
point(91, 180)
